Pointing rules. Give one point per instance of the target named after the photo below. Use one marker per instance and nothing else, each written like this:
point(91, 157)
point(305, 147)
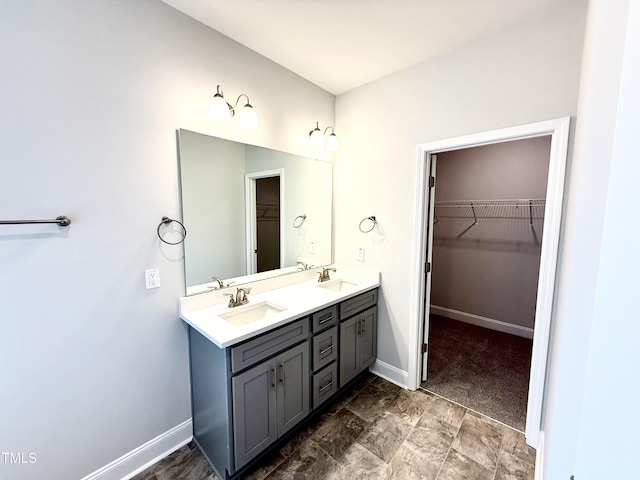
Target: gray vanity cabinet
point(358, 344)
point(247, 396)
point(268, 400)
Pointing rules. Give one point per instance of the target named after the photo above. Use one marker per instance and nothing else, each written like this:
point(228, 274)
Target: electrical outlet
point(152, 278)
point(312, 247)
point(360, 254)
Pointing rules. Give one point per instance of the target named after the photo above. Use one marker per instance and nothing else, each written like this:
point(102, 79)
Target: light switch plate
point(312, 247)
point(360, 254)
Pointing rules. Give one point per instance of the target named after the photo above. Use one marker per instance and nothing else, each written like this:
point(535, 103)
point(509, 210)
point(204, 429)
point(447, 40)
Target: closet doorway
point(487, 236)
point(264, 202)
point(428, 223)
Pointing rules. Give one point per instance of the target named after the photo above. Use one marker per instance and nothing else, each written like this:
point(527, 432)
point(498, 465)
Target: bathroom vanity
point(258, 374)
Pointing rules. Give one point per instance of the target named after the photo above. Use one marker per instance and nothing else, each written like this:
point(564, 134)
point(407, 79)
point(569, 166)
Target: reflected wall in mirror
point(251, 212)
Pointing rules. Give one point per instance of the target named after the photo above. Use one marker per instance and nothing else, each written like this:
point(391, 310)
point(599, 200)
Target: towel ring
point(298, 224)
point(166, 221)
point(372, 218)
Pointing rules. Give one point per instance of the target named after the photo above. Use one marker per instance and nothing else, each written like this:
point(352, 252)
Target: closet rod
point(62, 221)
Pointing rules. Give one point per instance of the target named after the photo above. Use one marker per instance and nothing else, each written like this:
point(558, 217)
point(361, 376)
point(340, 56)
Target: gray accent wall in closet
point(491, 269)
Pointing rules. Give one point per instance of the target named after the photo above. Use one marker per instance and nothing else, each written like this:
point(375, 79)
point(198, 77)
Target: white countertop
point(300, 294)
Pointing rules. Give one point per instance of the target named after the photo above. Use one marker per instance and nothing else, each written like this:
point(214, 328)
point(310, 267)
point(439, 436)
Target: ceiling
point(342, 44)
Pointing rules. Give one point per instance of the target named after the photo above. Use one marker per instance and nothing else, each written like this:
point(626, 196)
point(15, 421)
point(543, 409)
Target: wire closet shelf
point(526, 209)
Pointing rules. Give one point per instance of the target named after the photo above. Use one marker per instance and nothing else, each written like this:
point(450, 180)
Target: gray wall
point(92, 92)
point(492, 269)
point(213, 204)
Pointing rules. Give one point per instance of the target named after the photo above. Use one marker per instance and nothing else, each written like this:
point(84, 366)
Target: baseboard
point(142, 457)
point(485, 322)
point(390, 373)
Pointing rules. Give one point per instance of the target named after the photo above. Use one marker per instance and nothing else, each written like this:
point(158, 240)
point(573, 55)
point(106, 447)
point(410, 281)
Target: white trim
point(481, 321)
point(559, 131)
point(539, 467)
point(142, 457)
point(390, 373)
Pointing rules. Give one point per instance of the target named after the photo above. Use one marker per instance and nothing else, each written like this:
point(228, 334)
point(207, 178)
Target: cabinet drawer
point(270, 343)
point(325, 384)
point(357, 304)
point(325, 348)
point(324, 319)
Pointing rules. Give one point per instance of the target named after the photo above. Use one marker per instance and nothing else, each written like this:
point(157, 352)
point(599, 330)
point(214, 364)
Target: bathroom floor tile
point(458, 466)
point(308, 461)
point(444, 410)
point(479, 439)
point(409, 405)
point(511, 468)
point(336, 433)
point(360, 464)
point(378, 431)
point(385, 435)
point(412, 462)
point(372, 402)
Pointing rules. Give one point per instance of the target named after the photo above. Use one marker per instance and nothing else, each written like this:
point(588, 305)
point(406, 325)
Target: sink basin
point(338, 285)
point(239, 316)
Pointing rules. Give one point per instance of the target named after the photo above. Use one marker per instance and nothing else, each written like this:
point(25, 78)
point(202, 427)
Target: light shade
point(316, 139)
point(248, 118)
point(333, 145)
point(219, 109)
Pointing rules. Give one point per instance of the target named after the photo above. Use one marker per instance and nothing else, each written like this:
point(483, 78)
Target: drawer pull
point(273, 377)
point(327, 386)
point(282, 374)
point(328, 349)
point(325, 320)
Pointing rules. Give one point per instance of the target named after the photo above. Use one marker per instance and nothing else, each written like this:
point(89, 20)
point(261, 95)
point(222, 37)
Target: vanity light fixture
point(316, 139)
point(221, 111)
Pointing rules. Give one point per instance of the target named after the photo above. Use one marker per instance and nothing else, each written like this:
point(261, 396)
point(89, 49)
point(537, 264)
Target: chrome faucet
point(303, 265)
point(240, 297)
point(219, 280)
point(324, 274)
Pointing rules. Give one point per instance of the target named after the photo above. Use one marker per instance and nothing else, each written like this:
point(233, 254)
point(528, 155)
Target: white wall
point(92, 93)
point(593, 384)
point(521, 75)
point(612, 387)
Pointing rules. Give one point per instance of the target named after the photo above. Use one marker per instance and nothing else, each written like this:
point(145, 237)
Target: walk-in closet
point(487, 232)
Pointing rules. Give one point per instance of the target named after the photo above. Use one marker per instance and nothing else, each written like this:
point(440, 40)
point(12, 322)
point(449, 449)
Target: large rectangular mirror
point(250, 212)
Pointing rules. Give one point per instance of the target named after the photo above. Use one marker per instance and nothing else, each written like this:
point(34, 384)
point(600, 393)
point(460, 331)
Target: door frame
point(558, 129)
point(250, 215)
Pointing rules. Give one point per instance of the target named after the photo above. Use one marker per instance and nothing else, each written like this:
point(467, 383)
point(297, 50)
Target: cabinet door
point(293, 386)
point(254, 411)
point(349, 355)
point(368, 337)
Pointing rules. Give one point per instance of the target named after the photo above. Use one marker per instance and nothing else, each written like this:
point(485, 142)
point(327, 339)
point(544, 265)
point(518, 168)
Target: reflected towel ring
point(372, 218)
point(298, 224)
point(166, 221)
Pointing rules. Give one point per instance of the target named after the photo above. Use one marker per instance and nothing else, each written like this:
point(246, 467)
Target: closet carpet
point(484, 370)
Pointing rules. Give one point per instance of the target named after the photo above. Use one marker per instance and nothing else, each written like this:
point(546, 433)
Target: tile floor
point(377, 430)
